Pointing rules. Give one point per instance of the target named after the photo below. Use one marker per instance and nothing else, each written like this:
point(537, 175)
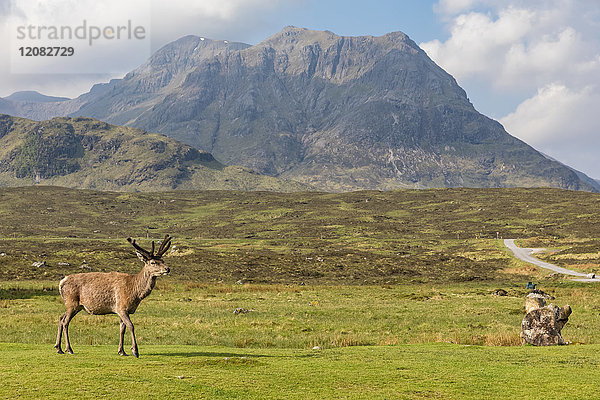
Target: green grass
point(414, 341)
point(301, 317)
point(404, 372)
point(393, 287)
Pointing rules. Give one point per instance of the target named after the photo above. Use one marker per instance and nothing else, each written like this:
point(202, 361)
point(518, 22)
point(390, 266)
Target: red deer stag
point(111, 293)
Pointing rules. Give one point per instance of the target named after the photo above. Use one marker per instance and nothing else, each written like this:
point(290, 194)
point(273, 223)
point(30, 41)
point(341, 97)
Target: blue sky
point(355, 18)
point(534, 65)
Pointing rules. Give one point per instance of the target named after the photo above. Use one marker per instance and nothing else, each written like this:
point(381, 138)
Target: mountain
point(336, 112)
point(584, 178)
point(87, 153)
point(34, 97)
point(34, 105)
point(8, 107)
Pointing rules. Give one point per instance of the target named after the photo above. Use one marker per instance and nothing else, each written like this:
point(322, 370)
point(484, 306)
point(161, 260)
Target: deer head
point(153, 263)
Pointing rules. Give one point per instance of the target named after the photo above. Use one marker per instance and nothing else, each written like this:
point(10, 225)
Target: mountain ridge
point(336, 112)
point(34, 97)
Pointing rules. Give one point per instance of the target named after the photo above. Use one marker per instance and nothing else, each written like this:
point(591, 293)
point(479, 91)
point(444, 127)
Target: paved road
point(526, 255)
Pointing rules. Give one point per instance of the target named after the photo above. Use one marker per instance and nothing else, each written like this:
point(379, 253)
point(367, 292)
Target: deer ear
point(141, 256)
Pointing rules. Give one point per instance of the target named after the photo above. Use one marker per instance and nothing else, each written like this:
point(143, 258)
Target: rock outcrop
point(543, 323)
point(536, 299)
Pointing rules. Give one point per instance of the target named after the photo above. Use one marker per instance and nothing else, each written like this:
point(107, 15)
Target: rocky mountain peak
point(177, 58)
point(325, 55)
point(335, 112)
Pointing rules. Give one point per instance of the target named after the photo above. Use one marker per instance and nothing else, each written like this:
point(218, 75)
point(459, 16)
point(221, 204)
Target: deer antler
point(164, 246)
point(148, 255)
point(145, 253)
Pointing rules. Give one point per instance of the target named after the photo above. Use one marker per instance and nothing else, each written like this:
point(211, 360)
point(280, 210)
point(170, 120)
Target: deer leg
point(125, 318)
point(122, 334)
point(68, 316)
point(58, 346)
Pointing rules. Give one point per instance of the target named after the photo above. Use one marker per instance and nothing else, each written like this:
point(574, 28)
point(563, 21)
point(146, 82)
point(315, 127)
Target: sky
point(533, 65)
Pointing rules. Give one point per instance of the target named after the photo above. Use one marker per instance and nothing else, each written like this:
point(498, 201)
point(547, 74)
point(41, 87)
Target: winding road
point(526, 255)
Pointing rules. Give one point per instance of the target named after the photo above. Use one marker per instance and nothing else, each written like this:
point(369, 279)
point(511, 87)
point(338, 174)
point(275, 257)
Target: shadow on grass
point(224, 354)
point(20, 293)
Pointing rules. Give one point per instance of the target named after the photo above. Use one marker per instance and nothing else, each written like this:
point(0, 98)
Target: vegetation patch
point(343, 297)
point(316, 238)
point(406, 341)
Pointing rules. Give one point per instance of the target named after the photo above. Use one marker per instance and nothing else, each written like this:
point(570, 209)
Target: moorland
point(351, 295)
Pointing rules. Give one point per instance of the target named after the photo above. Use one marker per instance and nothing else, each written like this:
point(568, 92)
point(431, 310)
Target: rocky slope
point(340, 113)
point(87, 153)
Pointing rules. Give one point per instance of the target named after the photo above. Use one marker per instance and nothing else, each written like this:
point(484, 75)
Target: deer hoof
point(59, 350)
point(135, 353)
point(69, 351)
point(122, 353)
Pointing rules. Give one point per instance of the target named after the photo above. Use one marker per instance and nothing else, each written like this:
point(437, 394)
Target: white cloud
point(554, 112)
point(165, 21)
point(514, 48)
point(478, 44)
point(223, 10)
point(68, 76)
point(238, 20)
point(562, 123)
point(546, 52)
point(97, 31)
point(453, 7)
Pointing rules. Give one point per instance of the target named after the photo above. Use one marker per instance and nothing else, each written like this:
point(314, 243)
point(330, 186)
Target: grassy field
point(427, 371)
point(416, 341)
point(302, 316)
point(318, 238)
point(395, 289)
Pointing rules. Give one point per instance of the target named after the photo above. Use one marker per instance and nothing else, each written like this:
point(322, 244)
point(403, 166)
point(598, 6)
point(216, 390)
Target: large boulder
point(542, 326)
point(533, 301)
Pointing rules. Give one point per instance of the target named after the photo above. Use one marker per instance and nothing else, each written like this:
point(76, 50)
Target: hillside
point(367, 237)
point(87, 153)
point(340, 113)
point(431, 214)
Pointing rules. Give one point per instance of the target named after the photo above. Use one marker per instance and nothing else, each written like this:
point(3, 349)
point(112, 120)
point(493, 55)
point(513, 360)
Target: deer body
point(118, 293)
point(102, 293)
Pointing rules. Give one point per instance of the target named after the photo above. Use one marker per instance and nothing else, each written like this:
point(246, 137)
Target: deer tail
point(60, 285)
